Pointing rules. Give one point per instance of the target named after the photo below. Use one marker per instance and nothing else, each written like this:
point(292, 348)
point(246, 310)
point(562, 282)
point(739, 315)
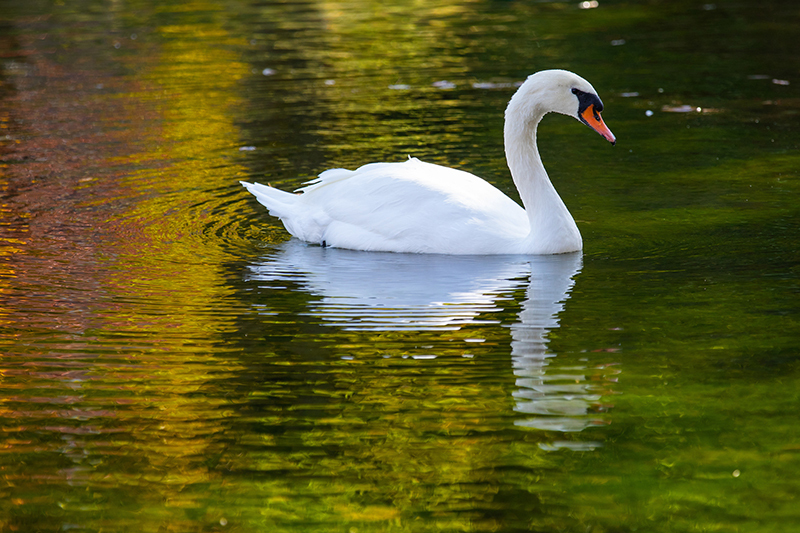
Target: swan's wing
point(410, 206)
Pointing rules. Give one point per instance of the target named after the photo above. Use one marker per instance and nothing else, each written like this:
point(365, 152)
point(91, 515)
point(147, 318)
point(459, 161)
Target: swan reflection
point(558, 401)
point(387, 291)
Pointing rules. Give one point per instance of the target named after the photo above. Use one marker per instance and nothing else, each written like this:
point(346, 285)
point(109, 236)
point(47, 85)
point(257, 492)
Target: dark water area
point(173, 361)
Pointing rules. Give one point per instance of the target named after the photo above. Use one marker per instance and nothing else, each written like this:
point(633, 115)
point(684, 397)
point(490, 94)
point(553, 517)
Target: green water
point(172, 361)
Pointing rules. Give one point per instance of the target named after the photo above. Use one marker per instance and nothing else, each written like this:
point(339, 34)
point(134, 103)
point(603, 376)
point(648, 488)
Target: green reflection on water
point(148, 383)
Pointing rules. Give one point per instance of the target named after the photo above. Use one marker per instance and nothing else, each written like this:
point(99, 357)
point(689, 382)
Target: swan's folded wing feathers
point(327, 177)
point(409, 206)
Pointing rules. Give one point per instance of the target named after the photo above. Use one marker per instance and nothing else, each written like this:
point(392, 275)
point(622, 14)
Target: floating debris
point(268, 72)
point(330, 82)
point(589, 5)
point(618, 42)
point(685, 108)
point(444, 84)
point(633, 94)
point(399, 87)
point(495, 85)
point(648, 113)
point(247, 148)
point(776, 81)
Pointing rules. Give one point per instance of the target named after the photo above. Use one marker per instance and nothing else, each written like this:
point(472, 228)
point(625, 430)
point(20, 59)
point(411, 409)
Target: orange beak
point(593, 119)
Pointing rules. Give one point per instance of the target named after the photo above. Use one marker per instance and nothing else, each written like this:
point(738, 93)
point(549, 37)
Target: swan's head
point(562, 92)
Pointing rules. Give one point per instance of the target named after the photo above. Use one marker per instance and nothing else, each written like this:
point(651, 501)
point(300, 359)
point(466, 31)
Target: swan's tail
point(279, 203)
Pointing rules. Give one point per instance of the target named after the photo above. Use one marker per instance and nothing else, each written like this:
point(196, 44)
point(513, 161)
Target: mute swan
point(424, 208)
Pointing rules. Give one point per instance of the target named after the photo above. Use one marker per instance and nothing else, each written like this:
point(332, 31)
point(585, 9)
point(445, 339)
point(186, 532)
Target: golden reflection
point(162, 260)
point(116, 178)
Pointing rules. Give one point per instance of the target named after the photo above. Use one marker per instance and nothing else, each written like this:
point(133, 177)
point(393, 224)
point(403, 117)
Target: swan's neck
point(552, 228)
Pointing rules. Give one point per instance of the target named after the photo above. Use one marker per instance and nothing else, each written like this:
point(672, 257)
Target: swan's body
point(424, 208)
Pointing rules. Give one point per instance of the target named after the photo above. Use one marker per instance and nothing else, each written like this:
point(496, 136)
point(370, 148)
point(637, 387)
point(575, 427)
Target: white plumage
point(419, 207)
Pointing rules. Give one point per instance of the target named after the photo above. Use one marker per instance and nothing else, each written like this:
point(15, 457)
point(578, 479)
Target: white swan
point(423, 208)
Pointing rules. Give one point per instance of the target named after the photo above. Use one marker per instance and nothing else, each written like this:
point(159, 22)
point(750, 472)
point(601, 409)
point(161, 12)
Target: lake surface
point(173, 361)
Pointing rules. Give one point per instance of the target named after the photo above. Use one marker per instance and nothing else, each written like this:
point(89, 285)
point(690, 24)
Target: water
point(172, 361)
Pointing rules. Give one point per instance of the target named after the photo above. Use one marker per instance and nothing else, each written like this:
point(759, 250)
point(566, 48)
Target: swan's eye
point(575, 91)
